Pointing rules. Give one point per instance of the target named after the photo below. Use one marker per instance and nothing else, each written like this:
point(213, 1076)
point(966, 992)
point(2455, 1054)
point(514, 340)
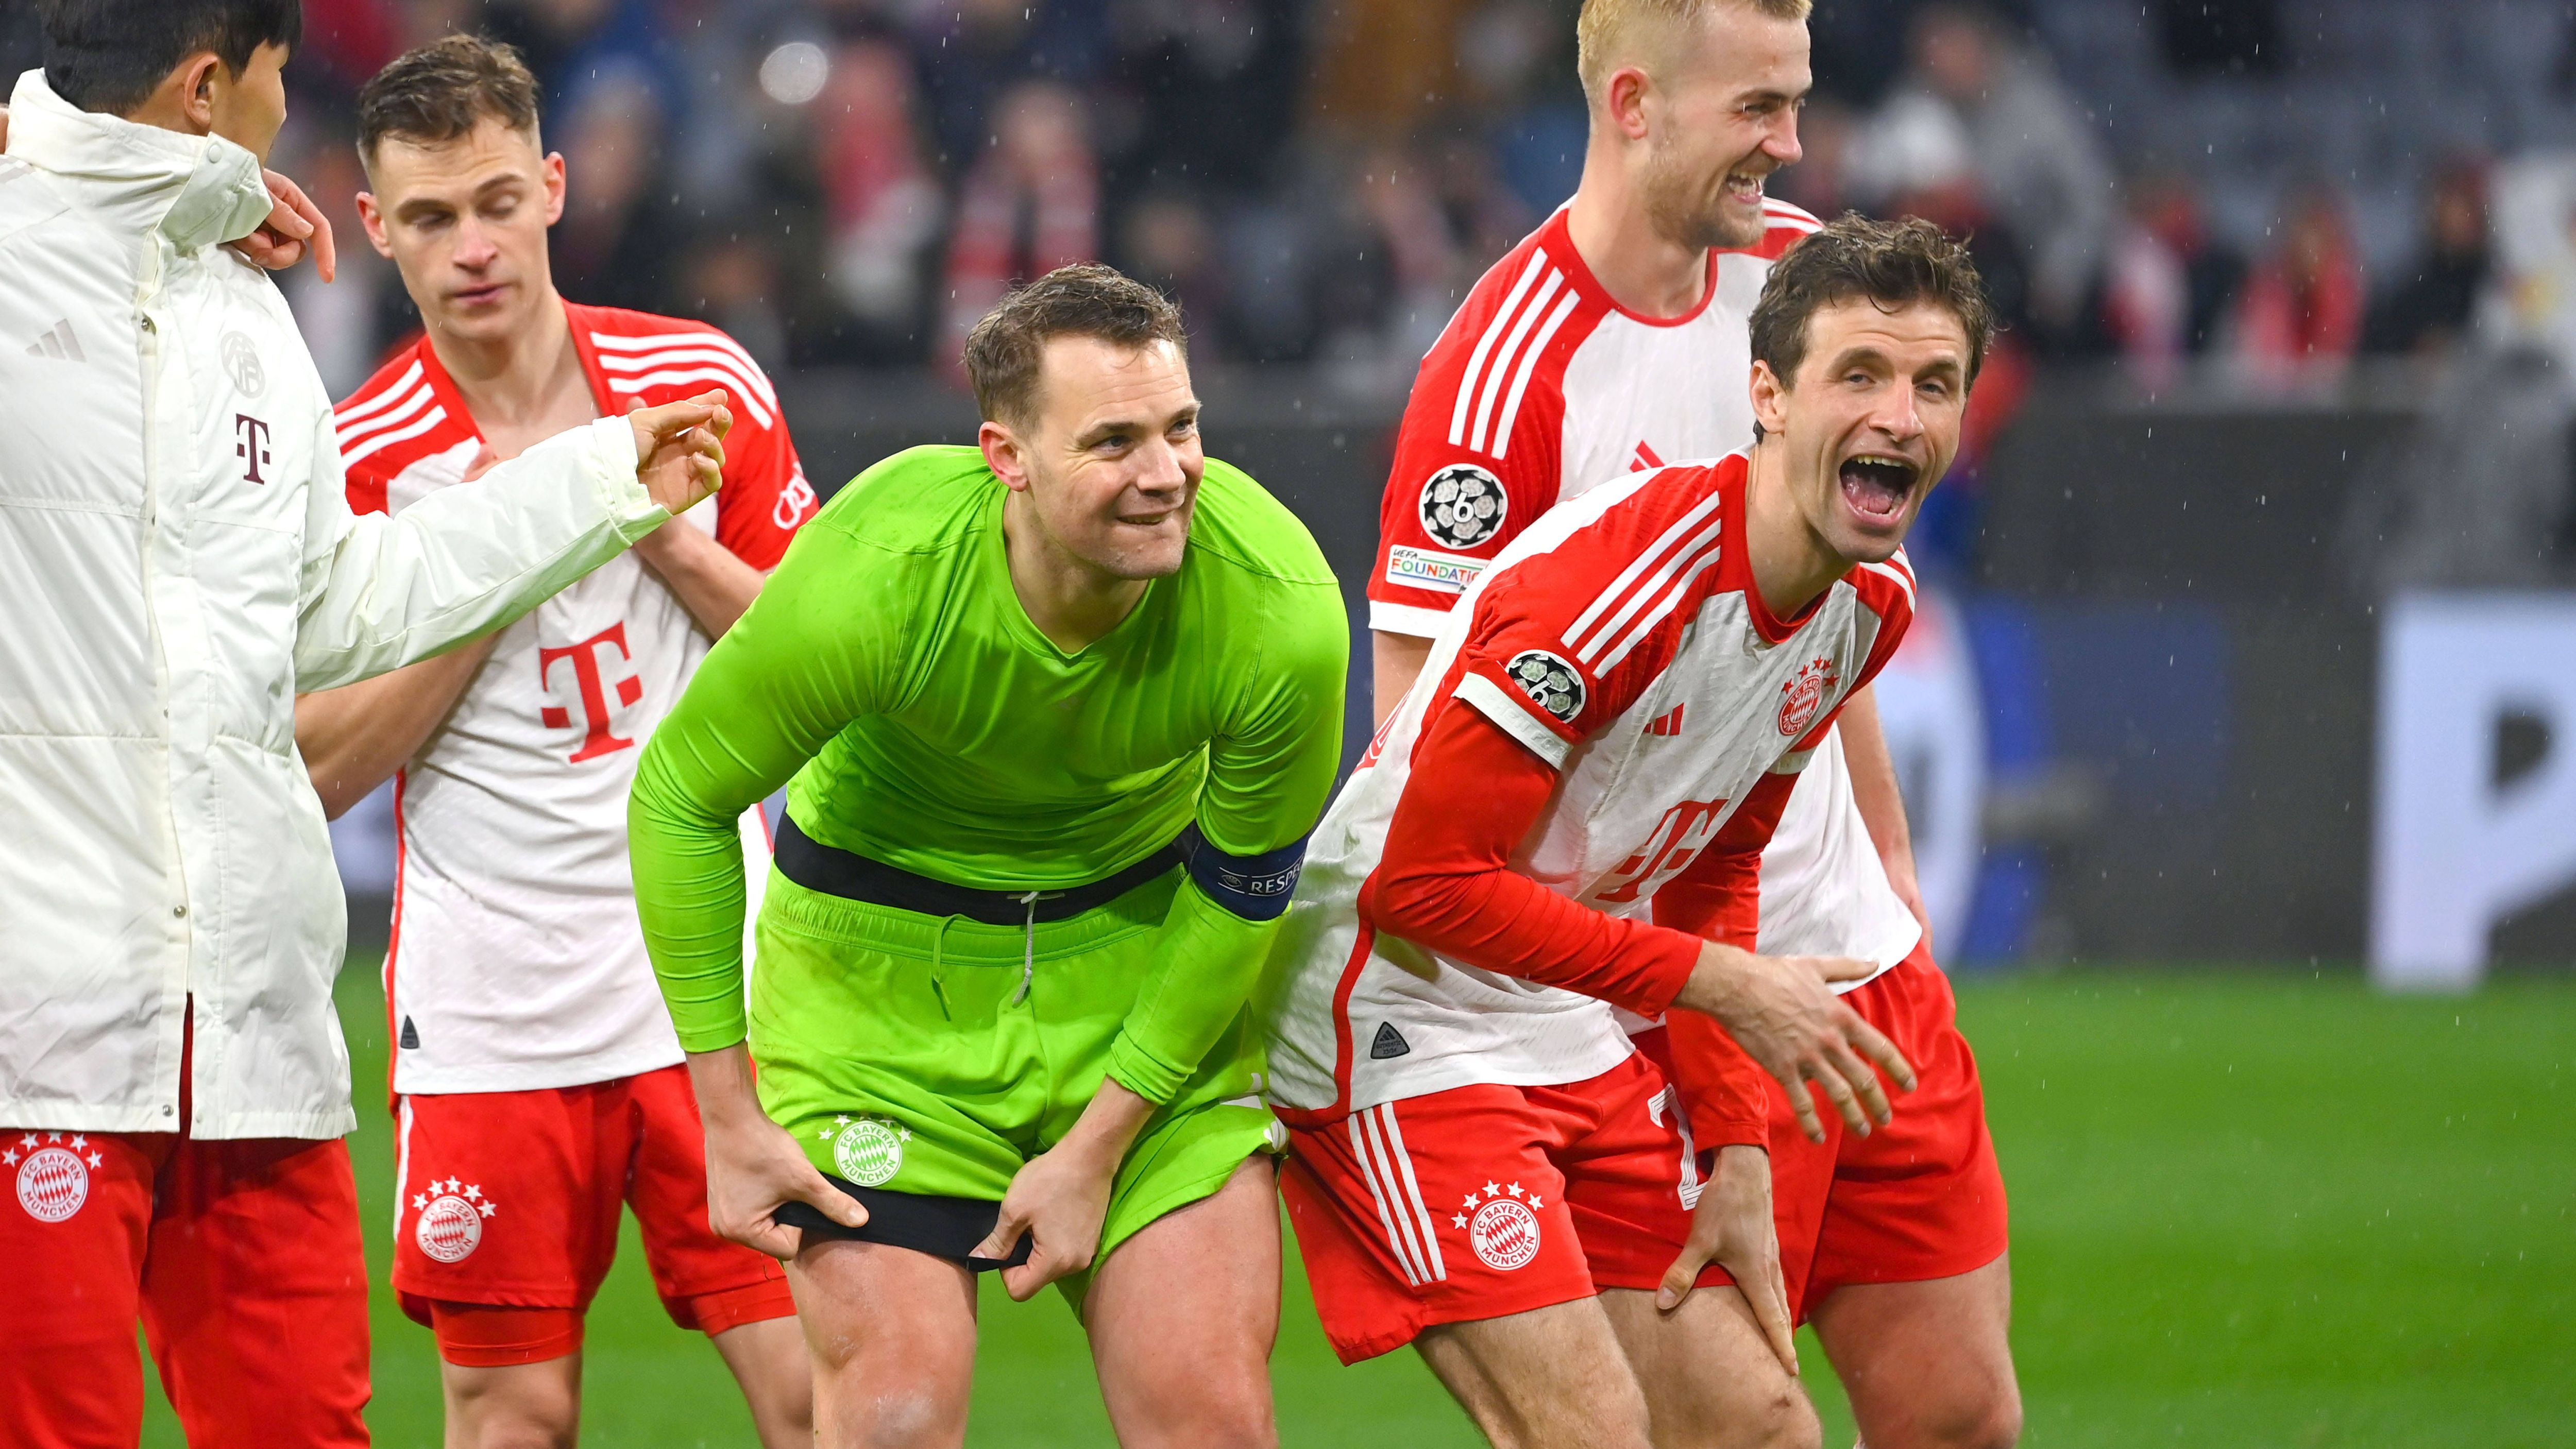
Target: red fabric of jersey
point(1719, 896)
point(1446, 880)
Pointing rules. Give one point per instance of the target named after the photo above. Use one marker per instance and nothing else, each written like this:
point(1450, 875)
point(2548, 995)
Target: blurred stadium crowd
point(2282, 183)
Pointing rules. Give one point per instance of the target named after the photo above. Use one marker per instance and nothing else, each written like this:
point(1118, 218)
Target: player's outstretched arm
point(383, 591)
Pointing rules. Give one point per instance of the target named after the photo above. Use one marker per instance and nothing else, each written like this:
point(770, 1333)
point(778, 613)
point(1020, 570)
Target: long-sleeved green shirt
point(889, 667)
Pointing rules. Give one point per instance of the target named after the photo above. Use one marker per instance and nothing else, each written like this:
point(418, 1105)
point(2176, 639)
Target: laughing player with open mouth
point(1566, 814)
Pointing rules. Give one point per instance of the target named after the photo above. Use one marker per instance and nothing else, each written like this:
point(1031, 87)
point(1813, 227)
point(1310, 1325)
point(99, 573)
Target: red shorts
point(1918, 1199)
point(506, 1216)
point(242, 1259)
point(1483, 1201)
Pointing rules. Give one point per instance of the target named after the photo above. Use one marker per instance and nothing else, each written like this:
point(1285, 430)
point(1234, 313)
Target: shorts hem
point(721, 1310)
point(1198, 1189)
point(1921, 1271)
point(1426, 1316)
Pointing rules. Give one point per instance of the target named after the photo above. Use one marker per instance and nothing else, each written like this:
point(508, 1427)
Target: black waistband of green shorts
point(851, 876)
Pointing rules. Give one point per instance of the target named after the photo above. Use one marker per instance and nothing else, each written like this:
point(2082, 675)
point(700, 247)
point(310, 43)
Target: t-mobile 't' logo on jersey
point(251, 446)
point(1683, 832)
point(597, 738)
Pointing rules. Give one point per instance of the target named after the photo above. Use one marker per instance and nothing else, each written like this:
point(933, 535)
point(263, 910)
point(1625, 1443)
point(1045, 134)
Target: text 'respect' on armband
point(1255, 887)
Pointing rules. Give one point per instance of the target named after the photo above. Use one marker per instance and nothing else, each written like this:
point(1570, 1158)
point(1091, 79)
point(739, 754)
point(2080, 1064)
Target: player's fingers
point(1873, 1044)
point(1842, 968)
point(1803, 1103)
point(1828, 1080)
point(1008, 1225)
point(1760, 1284)
point(1864, 1082)
point(1683, 1275)
point(835, 1204)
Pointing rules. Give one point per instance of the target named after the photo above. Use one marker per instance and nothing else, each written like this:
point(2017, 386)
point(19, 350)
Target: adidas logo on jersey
point(1667, 723)
point(58, 343)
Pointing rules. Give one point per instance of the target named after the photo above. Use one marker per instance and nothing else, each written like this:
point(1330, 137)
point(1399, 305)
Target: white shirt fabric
point(177, 562)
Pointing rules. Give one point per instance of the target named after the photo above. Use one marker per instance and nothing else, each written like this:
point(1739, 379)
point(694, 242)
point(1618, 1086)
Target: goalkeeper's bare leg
point(1183, 1317)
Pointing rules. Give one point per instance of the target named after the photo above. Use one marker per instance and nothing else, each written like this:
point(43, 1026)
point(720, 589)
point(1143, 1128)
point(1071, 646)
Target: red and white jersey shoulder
point(1619, 638)
point(1542, 387)
point(516, 961)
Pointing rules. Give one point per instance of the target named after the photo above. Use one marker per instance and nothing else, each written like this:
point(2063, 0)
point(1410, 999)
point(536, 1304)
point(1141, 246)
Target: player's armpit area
point(1446, 882)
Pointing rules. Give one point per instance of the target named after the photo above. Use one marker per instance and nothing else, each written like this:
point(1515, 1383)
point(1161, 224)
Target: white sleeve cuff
point(622, 495)
point(1411, 619)
point(1495, 704)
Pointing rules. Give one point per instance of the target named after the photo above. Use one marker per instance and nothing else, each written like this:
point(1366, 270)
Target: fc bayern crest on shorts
point(53, 1179)
point(1550, 681)
point(1501, 1225)
point(867, 1151)
point(450, 1225)
point(1463, 505)
point(1805, 694)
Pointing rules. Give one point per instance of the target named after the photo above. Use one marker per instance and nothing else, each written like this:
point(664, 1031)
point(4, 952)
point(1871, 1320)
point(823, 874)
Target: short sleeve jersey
point(1542, 388)
point(1621, 640)
point(928, 723)
point(515, 961)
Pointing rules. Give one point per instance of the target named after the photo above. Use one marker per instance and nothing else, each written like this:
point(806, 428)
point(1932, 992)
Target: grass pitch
point(2248, 1209)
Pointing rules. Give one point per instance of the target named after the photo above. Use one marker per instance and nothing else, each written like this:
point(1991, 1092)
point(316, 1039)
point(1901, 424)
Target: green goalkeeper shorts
point(902, 1052)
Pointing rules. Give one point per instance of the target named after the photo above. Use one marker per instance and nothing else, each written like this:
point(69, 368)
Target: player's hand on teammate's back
point(679, 448)
point(1778, 1009)
point(1060, 1197)
point(1732, 1228)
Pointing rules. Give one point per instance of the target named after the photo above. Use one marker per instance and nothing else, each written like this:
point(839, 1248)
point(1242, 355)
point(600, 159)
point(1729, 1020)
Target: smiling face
point(465, 221)
point(1109, 456)
point(1870, 422)
point(1721, 116)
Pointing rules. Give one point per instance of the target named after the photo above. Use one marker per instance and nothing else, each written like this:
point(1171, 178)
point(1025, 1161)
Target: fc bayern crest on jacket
point(451, 1215)
point(1463, 505)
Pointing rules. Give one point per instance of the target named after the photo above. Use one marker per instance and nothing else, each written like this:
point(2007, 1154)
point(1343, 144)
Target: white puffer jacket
point(177, 562)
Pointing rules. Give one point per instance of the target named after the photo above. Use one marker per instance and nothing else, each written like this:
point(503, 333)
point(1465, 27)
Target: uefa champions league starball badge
point(450, 1222)
point(1463, 505)
point(53, 1177)
point(1502, 1225)
point(867, 1151)
point(1550, 681)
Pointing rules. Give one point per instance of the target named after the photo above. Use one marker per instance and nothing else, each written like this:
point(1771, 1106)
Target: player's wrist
point(1716, 981)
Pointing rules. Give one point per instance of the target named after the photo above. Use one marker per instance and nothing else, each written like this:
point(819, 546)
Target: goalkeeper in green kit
point(1060, 711)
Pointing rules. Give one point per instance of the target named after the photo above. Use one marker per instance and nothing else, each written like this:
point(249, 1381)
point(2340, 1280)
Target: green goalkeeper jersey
point(889, 667)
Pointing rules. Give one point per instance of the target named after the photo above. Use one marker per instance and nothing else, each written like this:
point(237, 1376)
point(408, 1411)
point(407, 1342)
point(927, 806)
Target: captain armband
point(1254, 887)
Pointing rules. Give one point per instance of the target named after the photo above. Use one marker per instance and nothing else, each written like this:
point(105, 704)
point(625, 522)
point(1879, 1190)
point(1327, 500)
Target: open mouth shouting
point(1877, 486)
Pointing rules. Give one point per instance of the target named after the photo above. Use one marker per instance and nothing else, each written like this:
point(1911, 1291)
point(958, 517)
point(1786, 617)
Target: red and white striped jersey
point(516, 961)
point(1543, 387)
point(1620, 639)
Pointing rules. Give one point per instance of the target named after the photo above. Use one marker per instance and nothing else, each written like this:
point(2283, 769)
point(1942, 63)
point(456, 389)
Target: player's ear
point(1770, 398)
point(197, 77)
point(1002, 454)
point(372, 219)
point(1623, 95)
point(553, 171)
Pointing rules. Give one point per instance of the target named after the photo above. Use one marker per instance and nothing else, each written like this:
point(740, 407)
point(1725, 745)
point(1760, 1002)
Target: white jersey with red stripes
point(516, 961)
point(1619, 638)
point(1543, 387)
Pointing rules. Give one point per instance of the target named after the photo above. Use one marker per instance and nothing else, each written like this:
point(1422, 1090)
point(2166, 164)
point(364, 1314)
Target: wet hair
point(1890, 264)
point(441, 91)
point(110, 55)
point(1604, 27)
point(1082, 300)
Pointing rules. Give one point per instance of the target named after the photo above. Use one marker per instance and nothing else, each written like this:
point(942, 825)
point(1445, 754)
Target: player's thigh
point(72, 1236)
point(513, 1406)
point(891, 1336)
point(1927, 1363)
point(1547, 1378)
point(1183, 1317)
point(1708, 1373)
point(255, 1293)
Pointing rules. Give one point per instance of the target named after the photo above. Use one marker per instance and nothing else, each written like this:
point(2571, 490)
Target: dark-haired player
point(1059, 711)
point(1567, 814)
point(537, 1082)
point(181, 558)
point(1613, 340)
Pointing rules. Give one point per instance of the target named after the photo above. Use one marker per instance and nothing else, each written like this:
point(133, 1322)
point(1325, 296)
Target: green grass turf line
point(2249, 1209)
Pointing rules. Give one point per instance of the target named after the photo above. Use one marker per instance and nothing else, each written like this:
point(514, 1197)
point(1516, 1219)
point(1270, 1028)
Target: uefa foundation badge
point(450, 1225)
point(867, 1151)
point(53, 1176)
point(1502, 1226)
